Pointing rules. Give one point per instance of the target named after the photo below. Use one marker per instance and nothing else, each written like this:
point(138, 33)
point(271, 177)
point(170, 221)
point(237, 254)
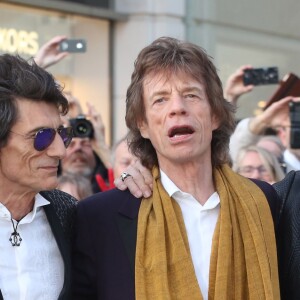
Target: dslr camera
point(82, 127)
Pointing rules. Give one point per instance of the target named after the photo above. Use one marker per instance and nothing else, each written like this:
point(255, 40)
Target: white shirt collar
point(168, 184)
point(39, 201)
point(173, 191)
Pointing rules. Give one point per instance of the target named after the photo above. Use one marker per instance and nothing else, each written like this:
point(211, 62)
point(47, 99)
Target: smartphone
point(261, 76)
point(73, 46)
point(295, 124)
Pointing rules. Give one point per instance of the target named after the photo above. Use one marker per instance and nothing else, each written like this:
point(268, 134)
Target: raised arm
point(249, 130)
point(98, 142)
point(49, 53)
point(274, 116)
point(235, 87)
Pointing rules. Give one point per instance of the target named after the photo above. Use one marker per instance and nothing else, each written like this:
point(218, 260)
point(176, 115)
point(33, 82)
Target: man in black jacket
point(288, 235)
point(285, 215)
point(35, 219)
point(180, 127)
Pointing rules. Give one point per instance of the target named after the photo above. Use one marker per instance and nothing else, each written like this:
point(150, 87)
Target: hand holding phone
point(261, 76)
point(73, 46)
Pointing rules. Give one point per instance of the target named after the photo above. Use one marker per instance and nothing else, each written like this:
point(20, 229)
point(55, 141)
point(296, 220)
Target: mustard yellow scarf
point(243, 262)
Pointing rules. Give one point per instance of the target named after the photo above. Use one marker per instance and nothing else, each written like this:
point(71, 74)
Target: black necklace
point(15, 237)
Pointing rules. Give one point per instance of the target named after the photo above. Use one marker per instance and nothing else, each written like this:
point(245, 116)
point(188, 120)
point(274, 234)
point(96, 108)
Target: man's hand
point(275, 116)
point(95, 117)
point(75, 108)
point(49, 53)
point(98, 142)
point(139, 183)
point(235, 87)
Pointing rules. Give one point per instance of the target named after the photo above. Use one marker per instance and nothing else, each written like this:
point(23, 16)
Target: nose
point(177, 106)
point(57, 148)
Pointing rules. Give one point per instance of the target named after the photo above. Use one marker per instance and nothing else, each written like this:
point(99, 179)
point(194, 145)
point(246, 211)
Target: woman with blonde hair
point(256, 162)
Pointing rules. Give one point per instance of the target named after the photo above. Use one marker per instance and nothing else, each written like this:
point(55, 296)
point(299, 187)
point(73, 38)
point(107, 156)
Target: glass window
point(98, 3)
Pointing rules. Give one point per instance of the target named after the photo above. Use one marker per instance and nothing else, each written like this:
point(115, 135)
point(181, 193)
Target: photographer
point(88, 154)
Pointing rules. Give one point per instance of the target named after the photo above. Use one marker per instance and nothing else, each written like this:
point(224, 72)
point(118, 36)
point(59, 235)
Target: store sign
point(18, 41)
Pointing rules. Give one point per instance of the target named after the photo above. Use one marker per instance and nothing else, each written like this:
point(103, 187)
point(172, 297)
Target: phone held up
point(261, 76)
point(295, 124)
point(73, 46)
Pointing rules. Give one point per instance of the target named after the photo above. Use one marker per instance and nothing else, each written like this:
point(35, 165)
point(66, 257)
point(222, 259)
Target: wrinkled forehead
point(161, 78)
point(31, 107)
point(31, 112)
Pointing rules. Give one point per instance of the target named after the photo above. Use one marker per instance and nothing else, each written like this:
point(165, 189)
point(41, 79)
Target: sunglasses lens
point(44, 138)
point(66, 133)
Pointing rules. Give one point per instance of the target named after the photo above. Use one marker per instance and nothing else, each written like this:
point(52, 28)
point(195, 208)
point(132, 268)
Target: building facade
point(234, 32)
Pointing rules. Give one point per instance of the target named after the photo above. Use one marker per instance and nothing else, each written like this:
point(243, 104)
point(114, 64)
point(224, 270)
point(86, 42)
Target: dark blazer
point(60, 214)
point(288, 236)
point(104, 246)
point(105, 242)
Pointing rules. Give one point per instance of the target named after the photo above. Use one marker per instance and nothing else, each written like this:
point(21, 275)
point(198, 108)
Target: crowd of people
point(204, 208)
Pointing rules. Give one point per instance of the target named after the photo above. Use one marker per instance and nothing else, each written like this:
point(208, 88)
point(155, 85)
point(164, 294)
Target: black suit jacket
point(105, 244)
point(60, 214)
point(288, 236)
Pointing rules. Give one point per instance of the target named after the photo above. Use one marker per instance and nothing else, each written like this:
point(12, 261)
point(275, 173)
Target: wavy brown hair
point(168, 55)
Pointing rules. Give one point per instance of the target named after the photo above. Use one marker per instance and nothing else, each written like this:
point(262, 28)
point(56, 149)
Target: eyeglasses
point(45, 136)
point(250, 169)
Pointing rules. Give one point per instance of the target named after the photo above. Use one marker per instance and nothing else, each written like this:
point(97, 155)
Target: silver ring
point(124, 175)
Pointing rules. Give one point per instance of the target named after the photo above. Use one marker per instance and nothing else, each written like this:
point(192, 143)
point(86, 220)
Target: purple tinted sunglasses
point(45, 136)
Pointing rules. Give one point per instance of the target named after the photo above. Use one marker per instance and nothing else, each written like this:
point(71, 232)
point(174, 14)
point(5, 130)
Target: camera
point(73, 45)
point(295, 124)
point(82, 127)
point(261, 76)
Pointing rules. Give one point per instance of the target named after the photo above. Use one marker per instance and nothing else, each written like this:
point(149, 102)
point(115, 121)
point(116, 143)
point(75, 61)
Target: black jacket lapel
point(63, 245)
point(127, 224)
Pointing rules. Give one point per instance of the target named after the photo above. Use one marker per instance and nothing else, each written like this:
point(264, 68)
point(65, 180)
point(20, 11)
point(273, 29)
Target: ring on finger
point(124, 175)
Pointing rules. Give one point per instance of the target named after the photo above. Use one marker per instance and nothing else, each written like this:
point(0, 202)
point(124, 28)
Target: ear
point(143, 127)
point(215, 122)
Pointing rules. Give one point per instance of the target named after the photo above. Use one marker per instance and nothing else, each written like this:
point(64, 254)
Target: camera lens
point(82, 127)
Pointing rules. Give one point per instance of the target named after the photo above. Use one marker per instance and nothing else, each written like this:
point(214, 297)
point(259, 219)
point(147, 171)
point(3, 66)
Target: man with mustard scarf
point(206, 232)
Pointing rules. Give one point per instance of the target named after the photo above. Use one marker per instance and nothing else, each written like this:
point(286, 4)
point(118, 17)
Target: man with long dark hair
point(206, 232)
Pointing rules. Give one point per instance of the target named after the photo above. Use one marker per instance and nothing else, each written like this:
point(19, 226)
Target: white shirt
point(292, 162)
point(200, 222)
point(34, 270)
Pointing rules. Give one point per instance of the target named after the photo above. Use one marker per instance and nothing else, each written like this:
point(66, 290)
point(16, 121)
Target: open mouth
point(179, 131)
point(79, 159)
